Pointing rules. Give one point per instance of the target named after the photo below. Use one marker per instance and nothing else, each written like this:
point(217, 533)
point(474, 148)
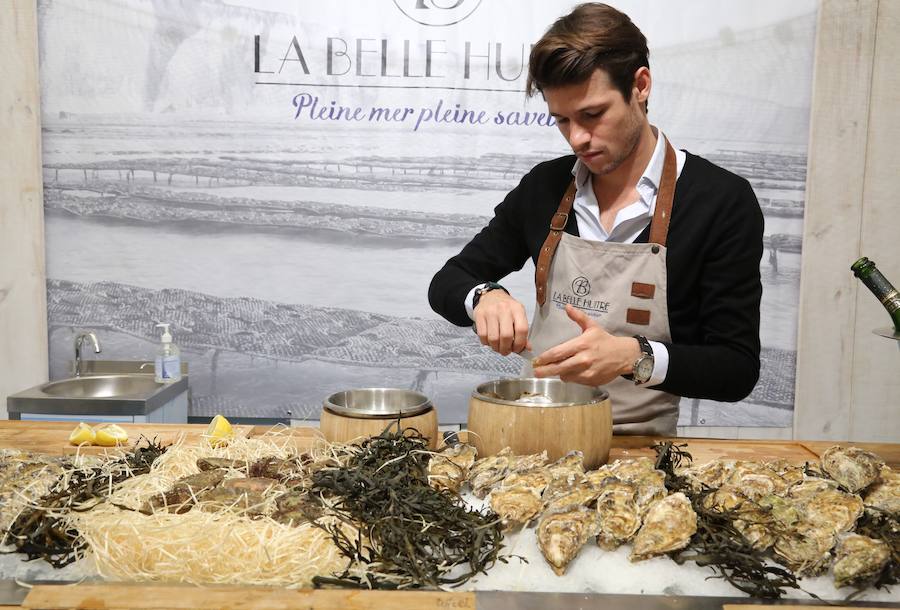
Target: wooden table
point(51, 437)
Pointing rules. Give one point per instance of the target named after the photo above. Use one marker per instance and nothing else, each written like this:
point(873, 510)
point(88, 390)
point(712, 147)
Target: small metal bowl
point(548, 392)
point(377, 403)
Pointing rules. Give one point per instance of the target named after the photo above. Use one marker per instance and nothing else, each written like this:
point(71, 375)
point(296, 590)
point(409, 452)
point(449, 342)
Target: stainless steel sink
point(102, 386)
point(111, 387)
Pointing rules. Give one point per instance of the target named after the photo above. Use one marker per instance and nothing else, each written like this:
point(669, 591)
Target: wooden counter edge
point(111, 596)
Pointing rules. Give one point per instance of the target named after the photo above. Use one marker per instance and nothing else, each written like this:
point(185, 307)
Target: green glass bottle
point(883, 290)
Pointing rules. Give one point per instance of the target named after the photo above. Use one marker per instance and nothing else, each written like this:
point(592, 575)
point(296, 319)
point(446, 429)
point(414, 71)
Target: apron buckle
point(561, 215)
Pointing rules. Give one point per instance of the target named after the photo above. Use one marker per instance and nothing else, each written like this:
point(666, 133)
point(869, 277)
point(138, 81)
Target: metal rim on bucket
point(377, 403)
point(558, 392)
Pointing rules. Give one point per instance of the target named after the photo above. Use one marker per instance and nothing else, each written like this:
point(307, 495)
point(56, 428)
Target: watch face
point(644, 369)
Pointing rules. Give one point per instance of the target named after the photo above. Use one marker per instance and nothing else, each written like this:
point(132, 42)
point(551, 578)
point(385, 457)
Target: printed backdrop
point(280, 179)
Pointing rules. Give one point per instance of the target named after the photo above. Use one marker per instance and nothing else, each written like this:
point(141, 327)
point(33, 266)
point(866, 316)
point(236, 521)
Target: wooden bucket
point(351, 415)
point(530, 415)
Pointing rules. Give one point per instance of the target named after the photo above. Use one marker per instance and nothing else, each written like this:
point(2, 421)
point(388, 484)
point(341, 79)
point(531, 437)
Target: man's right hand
point(501, 323)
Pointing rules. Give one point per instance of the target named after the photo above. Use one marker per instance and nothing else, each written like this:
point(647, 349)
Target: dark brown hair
point(592, 36)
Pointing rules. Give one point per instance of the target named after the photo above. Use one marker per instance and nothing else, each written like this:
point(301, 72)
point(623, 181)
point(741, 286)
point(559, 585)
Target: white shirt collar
point(650, 179)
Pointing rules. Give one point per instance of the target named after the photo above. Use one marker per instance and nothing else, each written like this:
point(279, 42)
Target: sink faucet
point(79, 341)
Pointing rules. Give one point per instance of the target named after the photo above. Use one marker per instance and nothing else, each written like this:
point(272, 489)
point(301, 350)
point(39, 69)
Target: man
point(646, 258)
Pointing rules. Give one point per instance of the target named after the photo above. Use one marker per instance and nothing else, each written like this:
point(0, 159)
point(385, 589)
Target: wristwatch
point(484, 289)
point(642, 369)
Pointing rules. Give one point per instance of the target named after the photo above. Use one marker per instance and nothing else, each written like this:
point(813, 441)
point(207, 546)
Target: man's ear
point(642, 85)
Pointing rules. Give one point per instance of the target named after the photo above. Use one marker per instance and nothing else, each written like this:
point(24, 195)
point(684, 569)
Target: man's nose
point(578, 136)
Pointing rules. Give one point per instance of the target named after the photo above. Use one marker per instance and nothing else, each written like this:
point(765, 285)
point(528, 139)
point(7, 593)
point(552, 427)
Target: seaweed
point(409, 534)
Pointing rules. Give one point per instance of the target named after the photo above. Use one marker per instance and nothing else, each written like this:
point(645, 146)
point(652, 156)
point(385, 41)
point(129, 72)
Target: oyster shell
point(516, 506)
point(830, 509)
point(581, 494)
point(449, 468)
point(524, 463)
point(650, 483)
point(488, 471)
point(712, 474)
point(885, 494)
point(853, 468)
point(805, 549)
point(668, 526)
point(858, 559)
point(757, 481)
point(562, 533)
point(537, 480)
point(568, 466)
point(620, 517)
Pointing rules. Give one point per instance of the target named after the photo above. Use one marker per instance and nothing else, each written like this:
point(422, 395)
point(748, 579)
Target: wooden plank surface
point(889, 452)
point(113, 596)
point(53, 437)
point(839, 127)
point(705, 449)
point(785, 607)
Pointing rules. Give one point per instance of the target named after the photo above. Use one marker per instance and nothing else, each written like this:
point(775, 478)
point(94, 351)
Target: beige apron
point(623, 288)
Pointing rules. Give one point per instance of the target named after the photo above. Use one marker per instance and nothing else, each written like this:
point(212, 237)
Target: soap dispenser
point(167, 367)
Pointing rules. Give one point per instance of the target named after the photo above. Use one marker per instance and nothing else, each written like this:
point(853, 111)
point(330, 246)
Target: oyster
point(524, 463)
point(516, 505)
point(449, 468)
point(858, 559)
point(183, 494)
point(712, 474)
point(488, 471)
point(853, 468)
point(246, 501)
point(537, 480)
point(562, 533)
point(830, 509)
point(620, 517)
point(885, 494)
point(569, 466)
point(756, 481)
point(581, 494)
point(649, 482)
point(668, 526)
point(805, 549)
point(211, 463)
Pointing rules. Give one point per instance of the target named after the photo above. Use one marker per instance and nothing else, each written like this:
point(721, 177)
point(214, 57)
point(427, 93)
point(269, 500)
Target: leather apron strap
point(659, 225)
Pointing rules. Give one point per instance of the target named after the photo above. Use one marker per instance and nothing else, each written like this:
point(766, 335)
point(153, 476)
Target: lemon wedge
point(110, 435)
point(219, 431)
point(81, 435)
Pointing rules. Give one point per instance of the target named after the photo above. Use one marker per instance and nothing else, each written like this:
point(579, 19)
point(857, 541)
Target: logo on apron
point(579, 297)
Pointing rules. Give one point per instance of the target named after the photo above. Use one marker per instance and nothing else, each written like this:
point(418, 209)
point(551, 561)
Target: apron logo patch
point(592, 307)
point(581, 286)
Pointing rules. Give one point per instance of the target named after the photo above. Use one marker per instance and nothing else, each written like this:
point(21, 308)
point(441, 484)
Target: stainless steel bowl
point(534, 392)
point(378, 403)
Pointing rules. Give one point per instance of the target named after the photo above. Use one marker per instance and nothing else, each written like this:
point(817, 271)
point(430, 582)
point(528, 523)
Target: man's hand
point(593, 358)
point(501, 322)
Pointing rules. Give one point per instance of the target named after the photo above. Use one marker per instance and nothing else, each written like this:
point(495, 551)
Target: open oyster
point(858, 559)
point(668, 526)
point(516, 506)
point(562, 533)
point(853, 468)
point(620, 517)
point(449, 468)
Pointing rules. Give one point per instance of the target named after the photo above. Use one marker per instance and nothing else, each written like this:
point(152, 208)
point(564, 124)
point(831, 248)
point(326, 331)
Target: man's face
point(600, 126)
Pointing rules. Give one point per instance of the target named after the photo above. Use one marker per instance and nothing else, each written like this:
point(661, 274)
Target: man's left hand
point(593, 358)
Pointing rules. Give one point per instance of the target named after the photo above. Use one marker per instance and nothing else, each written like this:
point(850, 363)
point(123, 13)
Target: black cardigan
point(714, 289)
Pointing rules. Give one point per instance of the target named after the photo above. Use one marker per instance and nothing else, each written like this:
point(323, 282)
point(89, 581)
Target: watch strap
point(484, 289)
point(646, 350)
